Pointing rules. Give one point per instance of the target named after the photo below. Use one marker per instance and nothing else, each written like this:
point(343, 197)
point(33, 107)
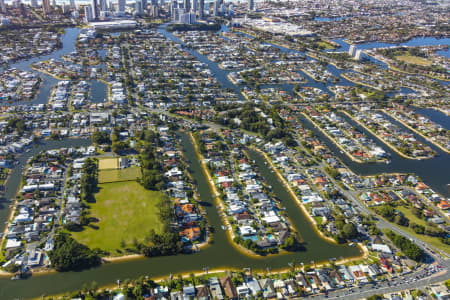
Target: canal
point(434, 171)
point(14, 178)
point(98, 89)
point(219, 255)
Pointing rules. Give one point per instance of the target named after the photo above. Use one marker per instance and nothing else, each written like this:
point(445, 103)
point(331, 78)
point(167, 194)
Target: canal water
point(435, 115)
point(418, 41)
point(434, 172)
point(220, 254)
point(98, 89)
point(14, 178)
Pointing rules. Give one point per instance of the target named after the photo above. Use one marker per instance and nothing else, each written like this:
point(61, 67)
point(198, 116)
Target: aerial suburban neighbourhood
point(224, 149)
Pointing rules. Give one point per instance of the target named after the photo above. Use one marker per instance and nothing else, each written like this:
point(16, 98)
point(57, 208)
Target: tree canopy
point(69, 255)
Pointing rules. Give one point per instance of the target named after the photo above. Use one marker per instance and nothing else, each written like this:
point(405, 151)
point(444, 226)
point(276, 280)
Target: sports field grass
point(326, 45)
point(434, 241)
point(125, 211)
point(108, 163)
point(132, 173)
point(410, 59)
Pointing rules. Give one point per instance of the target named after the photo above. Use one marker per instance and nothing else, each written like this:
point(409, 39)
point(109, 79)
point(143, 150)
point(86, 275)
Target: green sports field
point(107, 176)
point(416, 60)
point(108, 163)
point(125, 211)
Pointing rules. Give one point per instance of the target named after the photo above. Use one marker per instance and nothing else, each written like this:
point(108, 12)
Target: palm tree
point(192, 277)
point(94, 287)
point(126, 283)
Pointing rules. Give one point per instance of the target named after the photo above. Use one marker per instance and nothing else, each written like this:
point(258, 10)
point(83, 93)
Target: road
point(418, 279)
point(396, 285)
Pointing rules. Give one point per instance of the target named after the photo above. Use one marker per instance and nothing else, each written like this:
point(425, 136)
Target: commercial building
point(103, 5)
point(201, 11)
point(46, 7)
point(121, 6)
point(187, 5)
point(351, 50)
point(2, 6)
point(121, 24)
point(216, 7)
point(95, 9)
point(251, 4)
point(139, 8)
point(88, 14)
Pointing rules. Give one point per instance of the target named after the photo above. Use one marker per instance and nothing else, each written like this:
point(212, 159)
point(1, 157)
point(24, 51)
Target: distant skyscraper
point(144, 4)
point(23, 12)
point(251, 5)
point(34, 3)
point(88, 13)
point(358, 54)
point(103, 5)
point(231, 10)
point(66, 8)
point(46, 7)
point(352, 50)
point(72, 4)
point(2, 6)
point(194, 4)
point(95, 9)
point(201, 9)
point(187, 5)
point(54, 3)
point(187, 18)
point(154, 10)
point(121, 6)
point(177, 12)
point(139, 9)
point(216, 7)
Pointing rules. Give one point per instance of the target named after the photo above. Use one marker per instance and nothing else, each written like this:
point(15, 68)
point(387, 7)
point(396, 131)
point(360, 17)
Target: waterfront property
point(402, 141)
point(149, 78)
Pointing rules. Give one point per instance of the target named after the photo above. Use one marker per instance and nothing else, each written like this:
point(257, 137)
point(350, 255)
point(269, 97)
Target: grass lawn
point(125, 211)
point(410, 59)
point(108, 163)
point(132, 173)
point(434, 241)
point(326, 45)
point(319, 220)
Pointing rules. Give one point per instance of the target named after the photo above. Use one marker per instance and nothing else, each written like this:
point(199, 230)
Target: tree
point(290, 243)
point(69, 255)
point(349, 231)
point(100, 137)
point(410, 249)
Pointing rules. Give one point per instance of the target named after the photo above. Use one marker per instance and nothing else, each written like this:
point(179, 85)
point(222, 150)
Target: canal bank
point(434, 171)
point(428, 139)
point(219, 255)
point(68, 40)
